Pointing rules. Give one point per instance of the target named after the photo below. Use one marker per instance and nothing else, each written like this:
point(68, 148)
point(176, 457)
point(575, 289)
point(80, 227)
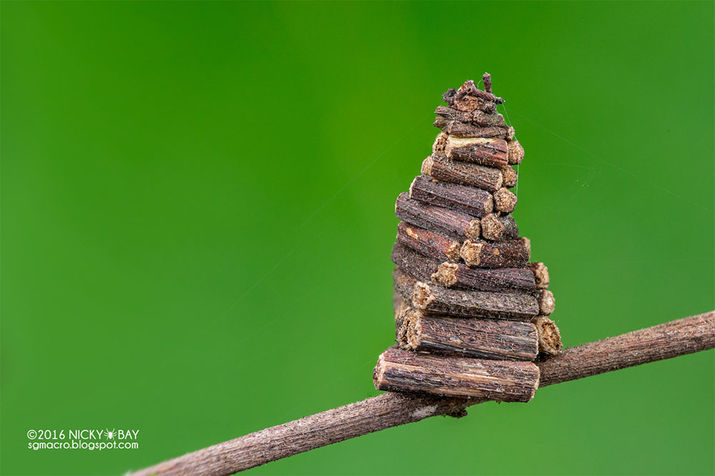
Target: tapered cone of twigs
point(471, 310)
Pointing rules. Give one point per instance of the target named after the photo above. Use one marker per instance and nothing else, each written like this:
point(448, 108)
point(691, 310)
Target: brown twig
point(664, 341)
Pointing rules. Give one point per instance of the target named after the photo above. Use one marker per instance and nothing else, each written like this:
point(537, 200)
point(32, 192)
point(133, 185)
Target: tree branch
point(664, 341)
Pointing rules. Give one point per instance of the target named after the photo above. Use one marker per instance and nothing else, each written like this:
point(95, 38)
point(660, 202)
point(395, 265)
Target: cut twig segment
point(498, 228)
point(469, 103)
point(440, 143)
point(429, 243)
point(509, 175)
point(473, 201)
point(483, 151)
point(506, 381)
point(403, 312)
point(501, 254)
point(470, 89)
point(478, 338)
point(479, 118)
point(541, 274)
point(515, 152)
point(413, 263)
point(459, 275)
point(442, 168)
point(462, 303)
point(549, 335)
point(547, 303)
point(504, 200)
point(451, 222)
point(466, 130)
point(469, 98)
point(487, 79)
point(404, 285)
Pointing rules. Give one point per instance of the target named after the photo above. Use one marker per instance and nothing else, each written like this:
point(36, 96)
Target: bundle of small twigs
point(471, 311)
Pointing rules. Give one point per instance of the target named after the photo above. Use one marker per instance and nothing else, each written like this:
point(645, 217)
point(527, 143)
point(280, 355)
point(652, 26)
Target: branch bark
point(664, 341)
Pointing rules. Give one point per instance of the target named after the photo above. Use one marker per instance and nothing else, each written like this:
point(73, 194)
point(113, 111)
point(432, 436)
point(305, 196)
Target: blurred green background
point(197, 215)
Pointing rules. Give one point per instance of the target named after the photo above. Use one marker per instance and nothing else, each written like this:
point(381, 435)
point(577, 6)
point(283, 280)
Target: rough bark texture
point(498, 228)
point(491, 152)
point(429, 243)
point(447, 170)
point(549, 335)
point(458, 275)
point(466, 130)
point(515, 152)
point(505, 381)
point(504, 200)
point(500, 254)
point(509, 175)
point(469, 98)
point(453, 223)
point(479, 338)
point(314, 431)
point(470, 200)
point(413, 263)
point(541, 274)
point(487, 79)
point(403, 285)
point(479, 118)
point(469, 88)
point(665, 341)
point(462, 303)
point(469, 103)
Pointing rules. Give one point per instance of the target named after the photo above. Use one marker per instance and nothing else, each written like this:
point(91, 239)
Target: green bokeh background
point(197, 215)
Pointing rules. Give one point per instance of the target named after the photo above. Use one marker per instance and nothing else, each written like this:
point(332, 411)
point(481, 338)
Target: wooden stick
point(487, 79)
point(403, 285)
point(500, 254)
point(515, 152)
point(549, 335)
point(465, 130)
point(541, 274)
point(433, 299)
point(501, 380)
point(665, 341)
point(440, 142)
point(547, 303)
point(491, 152)
point(403, 315)
point(413, 263)
point(404, 322)
point(479, 338)
point(429, 243)
point(497, 228)
point(470, 200)
point(479, 118)
point(442, 168)
point(504, 200)
point(469, 88)
point(451, 222)
point(458, 275)
point(469, 103)
point(469, 98)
